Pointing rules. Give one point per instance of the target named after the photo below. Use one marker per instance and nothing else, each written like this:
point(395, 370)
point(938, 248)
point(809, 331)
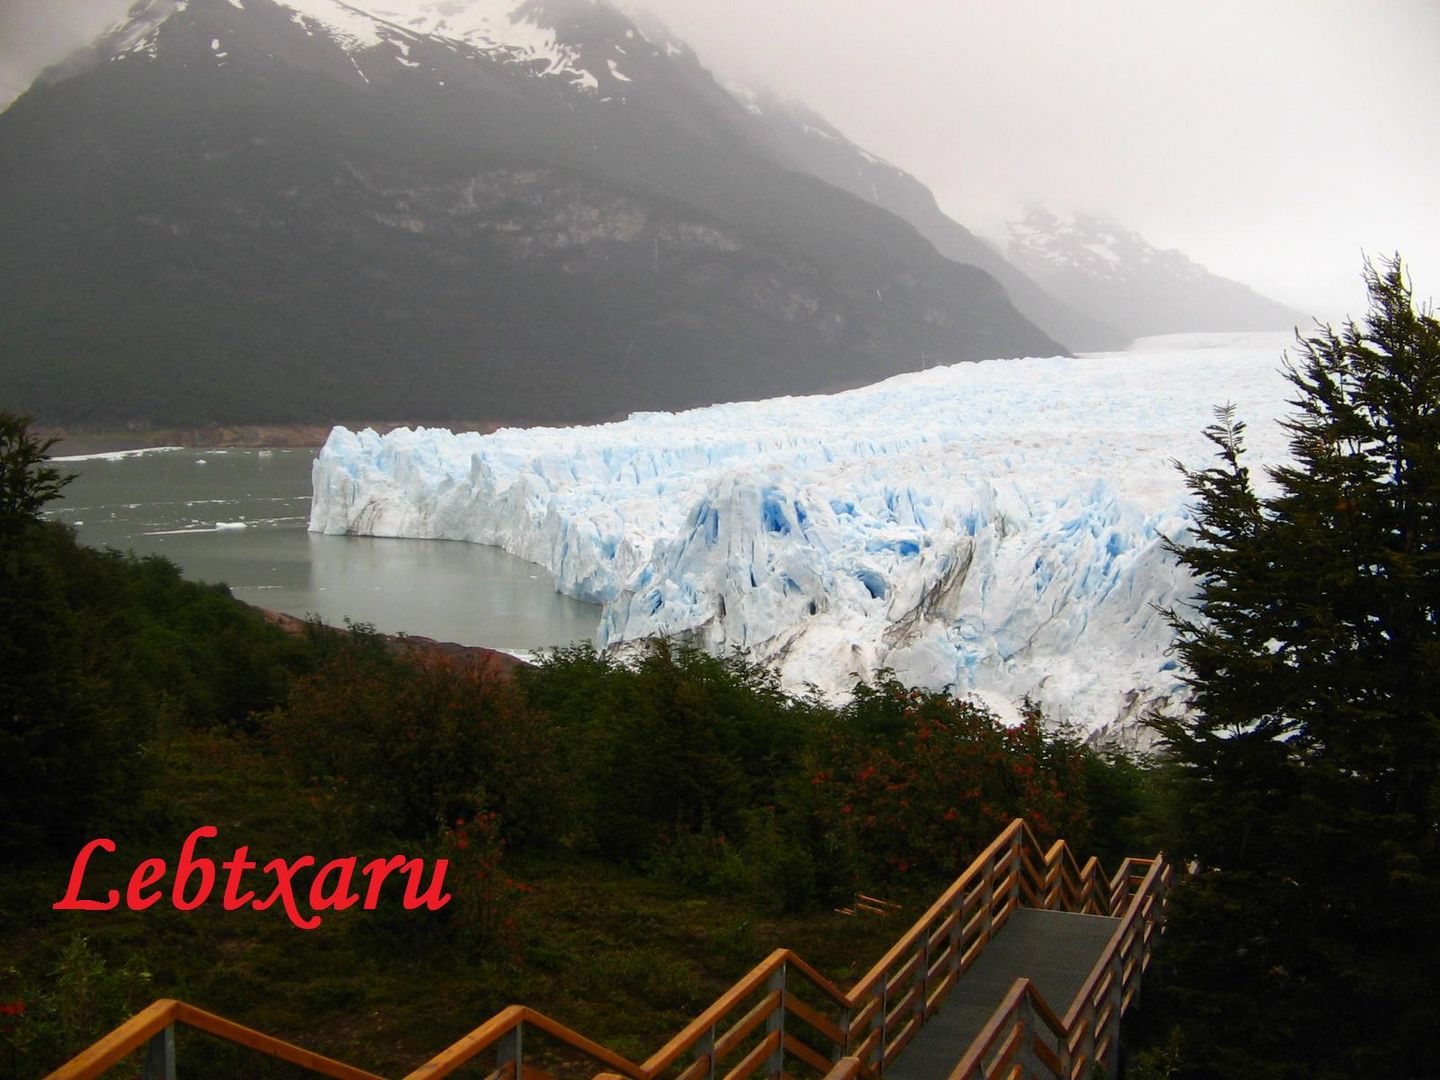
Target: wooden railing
point(784, 1017)
point(153, 1029)
point(1025, 1034)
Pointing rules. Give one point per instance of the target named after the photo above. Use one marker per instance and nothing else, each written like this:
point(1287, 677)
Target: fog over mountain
point(1271, 143)
point(36, 33)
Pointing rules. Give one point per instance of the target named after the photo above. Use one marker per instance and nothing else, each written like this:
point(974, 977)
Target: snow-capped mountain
point(1102, 267)
point(583, 44)
point(285, 210)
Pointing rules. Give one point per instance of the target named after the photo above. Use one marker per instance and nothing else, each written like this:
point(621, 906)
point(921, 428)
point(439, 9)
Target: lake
point(240, 517)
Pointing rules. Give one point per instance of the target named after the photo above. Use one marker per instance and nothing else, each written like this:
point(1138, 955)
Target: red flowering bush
point(486, 902)
point(913, 783)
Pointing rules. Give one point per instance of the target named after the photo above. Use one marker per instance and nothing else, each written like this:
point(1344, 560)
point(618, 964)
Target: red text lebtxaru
point(332, 888)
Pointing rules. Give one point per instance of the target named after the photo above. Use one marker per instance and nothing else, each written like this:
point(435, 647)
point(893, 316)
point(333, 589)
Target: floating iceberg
point(996, 528)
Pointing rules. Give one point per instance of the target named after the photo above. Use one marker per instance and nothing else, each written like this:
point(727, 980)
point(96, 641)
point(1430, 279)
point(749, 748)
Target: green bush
point(393, 743)
point(675, 743)
point(98, 653)
point(82, 997)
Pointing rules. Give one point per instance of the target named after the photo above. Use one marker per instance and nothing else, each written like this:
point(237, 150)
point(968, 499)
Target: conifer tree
point(26, 482)
point(1305, 945)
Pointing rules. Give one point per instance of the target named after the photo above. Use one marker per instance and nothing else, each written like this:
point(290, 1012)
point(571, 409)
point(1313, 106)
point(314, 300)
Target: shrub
point(911, 784)
point(677, 742)
point(393, 742)
point(83, 997)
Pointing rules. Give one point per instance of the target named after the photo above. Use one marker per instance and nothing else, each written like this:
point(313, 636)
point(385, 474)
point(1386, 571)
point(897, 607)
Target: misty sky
point(1270, 141)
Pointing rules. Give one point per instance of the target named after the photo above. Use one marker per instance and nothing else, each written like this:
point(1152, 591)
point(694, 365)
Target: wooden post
point(510, 1050)
point(987, 901)
point(1133, 949)
point(1017, 858)
point(160, 1056)
point(922, 979)
point(706, 1048)
point(1116, 995)
point(1025, 1016)
point(1086, 1049)
point(775, 1023)
point(877, 1061)
point(957, 932)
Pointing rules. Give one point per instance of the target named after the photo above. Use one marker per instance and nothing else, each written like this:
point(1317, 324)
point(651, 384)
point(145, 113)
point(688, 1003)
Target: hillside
point(292, 210)
point(811, 144)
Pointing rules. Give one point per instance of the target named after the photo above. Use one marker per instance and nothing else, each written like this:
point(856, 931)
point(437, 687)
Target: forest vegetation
point(625, 838)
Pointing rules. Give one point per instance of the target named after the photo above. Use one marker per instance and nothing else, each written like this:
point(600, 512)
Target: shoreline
point(487, 661)
point(72, 442)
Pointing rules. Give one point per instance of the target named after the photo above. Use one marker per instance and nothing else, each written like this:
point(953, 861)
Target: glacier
point(996, 528)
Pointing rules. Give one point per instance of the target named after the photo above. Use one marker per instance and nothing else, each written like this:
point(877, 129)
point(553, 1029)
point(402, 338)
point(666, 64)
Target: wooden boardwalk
point(1044, 995)
point(1054, 949)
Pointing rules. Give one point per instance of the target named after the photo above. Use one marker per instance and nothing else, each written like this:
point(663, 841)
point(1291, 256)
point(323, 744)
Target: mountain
point(290, 210)
point(1102, 267)
point(804, 139)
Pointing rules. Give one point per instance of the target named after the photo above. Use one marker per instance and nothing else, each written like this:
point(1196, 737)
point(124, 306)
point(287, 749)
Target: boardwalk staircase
point(1022, 968)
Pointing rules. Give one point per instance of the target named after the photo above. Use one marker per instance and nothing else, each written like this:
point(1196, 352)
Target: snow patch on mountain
point(997, 527)
point(749, 100)
point(1045, 243)
point(137, 33)
point(349, 26)
point(508, 31)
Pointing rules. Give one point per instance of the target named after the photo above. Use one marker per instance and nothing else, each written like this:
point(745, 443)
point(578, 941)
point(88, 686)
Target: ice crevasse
point(996, 528)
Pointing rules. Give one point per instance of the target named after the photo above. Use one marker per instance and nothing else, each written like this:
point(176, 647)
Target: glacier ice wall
point(995, 527)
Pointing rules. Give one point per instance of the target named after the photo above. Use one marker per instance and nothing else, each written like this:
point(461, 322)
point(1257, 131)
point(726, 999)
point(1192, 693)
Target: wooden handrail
point(1022, 993)
point(166, 1012)
point(691, 1032)
point(120, 1043)
point(901, 963)
point(507, 1020)
point(1127, 922)
point(268, 1045)
point(1080, 1046)
point(876, 1019)
point(907, 941)
point(1093, 1024)
point(847, 1068)
point(820, 982)
point(889, 1002)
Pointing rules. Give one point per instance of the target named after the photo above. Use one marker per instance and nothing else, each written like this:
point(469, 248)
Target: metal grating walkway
point(1054, 949)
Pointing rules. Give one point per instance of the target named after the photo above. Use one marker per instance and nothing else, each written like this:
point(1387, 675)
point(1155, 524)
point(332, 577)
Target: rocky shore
point(486, 661)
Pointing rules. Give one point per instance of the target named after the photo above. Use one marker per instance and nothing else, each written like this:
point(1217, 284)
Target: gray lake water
point(187, 505)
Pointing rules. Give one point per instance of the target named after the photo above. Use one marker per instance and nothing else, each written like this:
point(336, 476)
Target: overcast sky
point(1272, 141)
